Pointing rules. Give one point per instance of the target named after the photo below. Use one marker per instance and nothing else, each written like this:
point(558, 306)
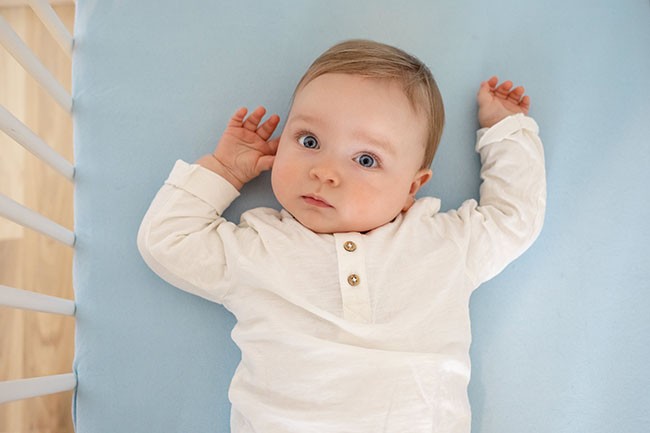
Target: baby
point(352, 302)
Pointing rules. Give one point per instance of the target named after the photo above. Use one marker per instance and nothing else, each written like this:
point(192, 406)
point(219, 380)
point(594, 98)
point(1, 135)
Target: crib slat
point(35, 387)
point(52, 22)
point(18, 213)
point(30, 62)
point(24, 299)
point(32, 142)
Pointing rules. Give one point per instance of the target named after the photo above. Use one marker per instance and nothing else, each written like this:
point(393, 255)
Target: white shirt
point(350, 332)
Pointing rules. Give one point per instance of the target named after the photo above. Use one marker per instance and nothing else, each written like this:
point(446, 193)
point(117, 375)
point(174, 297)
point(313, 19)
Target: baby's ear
point(421, 177)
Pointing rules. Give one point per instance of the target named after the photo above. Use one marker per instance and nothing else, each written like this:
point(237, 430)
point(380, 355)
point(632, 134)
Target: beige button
point(350, 246)
point(354, 280)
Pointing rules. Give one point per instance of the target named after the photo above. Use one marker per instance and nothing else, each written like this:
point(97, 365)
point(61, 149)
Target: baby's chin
point(332, 227)
point(322, 225)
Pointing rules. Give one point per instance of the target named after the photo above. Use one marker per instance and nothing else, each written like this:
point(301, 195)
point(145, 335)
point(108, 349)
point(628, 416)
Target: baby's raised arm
point(244, 150)
point(509, 215)
point(495, 103)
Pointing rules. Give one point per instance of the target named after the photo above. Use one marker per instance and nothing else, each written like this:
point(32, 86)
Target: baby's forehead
point(399, 89)
point(333, 79)
point(359, 109)
point(344, 87)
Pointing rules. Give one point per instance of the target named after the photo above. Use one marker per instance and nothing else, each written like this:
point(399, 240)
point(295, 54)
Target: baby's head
point(364, 126)
point(371, 59)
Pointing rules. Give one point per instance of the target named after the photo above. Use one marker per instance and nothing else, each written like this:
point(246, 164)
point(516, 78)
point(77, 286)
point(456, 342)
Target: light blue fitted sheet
point(560, 337)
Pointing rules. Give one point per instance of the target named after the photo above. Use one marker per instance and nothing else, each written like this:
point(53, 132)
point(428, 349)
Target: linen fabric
point(350, 332)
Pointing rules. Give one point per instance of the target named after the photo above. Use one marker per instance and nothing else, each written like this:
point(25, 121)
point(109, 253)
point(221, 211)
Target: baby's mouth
point(315, 200)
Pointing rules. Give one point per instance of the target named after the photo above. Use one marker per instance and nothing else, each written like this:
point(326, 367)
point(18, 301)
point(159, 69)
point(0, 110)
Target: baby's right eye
point(309, 141)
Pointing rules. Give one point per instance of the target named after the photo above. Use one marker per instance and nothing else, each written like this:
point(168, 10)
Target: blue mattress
point(560, 337)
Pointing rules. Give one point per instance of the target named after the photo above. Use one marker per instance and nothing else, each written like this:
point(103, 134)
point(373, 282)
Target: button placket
point(355, 295)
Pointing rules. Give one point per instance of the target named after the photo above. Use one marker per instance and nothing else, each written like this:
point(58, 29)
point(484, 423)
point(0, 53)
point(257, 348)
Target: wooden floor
point(35, 344)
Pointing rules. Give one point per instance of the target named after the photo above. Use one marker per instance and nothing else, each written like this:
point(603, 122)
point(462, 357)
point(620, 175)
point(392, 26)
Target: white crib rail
point(10, 296)
point(17, 130)
point(52, 22)
point(17, 298)
point(28, 218)
point(35, 387)
point(30, 62)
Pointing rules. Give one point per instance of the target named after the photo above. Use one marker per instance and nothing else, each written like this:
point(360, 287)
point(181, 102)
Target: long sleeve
point(303, 299)
point(183, 237)
point(510, 213)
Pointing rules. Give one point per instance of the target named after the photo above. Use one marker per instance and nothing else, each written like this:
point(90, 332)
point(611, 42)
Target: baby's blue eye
point(309, 141)
point(366, 160)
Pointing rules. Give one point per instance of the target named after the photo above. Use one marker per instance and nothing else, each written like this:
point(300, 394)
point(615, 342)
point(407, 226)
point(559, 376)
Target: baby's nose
point(326, 172)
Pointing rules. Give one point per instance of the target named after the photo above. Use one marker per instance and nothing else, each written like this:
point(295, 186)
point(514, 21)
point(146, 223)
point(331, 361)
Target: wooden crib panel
point(35, 344)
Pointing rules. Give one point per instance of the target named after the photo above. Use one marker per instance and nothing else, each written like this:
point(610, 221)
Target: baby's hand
point(244, 150)
point(495, 103)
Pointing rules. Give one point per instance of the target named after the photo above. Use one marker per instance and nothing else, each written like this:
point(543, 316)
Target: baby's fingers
point(485, 91)
point(237, 119)
point(273, 145)
point(503, 90)
point(267, 128)
point(492, 82)
point(264, 163)
point(254, 118)
point(516, 94)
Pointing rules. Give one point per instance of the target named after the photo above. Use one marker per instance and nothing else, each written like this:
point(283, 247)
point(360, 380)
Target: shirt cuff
point(204, 184)
point(504, 129)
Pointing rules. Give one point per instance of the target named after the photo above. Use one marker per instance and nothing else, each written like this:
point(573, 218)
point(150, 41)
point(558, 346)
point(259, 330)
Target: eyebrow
point(379, 142)
point(376, 141)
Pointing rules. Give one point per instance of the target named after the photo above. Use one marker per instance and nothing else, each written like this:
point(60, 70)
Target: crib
point(43, 328)
point(560, 337)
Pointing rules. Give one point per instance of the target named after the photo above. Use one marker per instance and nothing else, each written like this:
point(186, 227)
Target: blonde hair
point(376, 60)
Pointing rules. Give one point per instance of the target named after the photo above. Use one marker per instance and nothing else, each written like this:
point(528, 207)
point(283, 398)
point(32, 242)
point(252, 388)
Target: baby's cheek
point(370, 207)
point(276, 177)
point(282, 179)
point(385, 204)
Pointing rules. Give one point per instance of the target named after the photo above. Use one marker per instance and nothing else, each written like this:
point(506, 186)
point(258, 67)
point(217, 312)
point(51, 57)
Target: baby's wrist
point(211, 163)
point(493, 120)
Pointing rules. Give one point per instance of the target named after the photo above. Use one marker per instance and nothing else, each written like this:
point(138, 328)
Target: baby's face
point(350, 154)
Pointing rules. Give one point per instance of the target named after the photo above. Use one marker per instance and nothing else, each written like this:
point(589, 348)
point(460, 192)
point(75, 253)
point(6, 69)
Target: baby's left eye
point(366, 160)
